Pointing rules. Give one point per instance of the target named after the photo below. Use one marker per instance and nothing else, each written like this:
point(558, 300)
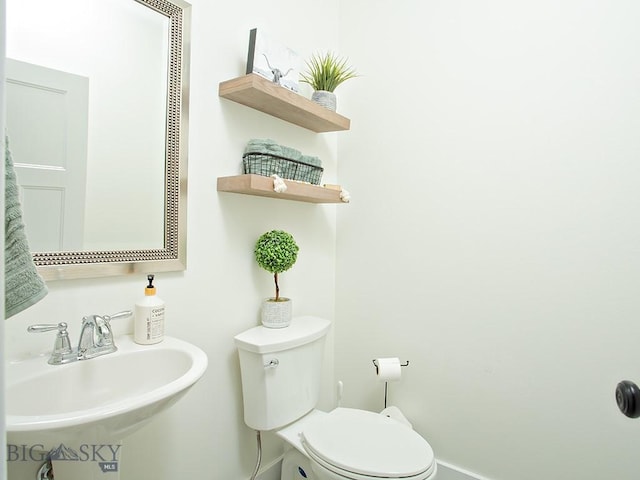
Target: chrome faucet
point(96, 338)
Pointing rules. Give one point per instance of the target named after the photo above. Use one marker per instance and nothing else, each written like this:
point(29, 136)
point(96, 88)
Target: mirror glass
point(96, 125)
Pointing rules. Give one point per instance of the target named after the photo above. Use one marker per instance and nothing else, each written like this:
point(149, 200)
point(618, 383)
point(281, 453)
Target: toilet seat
point(361, 445)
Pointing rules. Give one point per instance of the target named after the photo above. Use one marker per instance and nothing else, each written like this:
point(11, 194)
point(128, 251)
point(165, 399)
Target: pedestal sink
point(75, 408)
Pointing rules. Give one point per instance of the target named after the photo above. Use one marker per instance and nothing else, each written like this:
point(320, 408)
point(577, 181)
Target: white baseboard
point(446, 471)
point(270, 471)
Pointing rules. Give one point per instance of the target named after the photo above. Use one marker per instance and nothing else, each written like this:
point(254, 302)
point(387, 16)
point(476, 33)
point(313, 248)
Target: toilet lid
point(367, 443)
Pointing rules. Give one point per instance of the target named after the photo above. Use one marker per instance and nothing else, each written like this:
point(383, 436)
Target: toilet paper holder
point(375, 362)
point(386, 384)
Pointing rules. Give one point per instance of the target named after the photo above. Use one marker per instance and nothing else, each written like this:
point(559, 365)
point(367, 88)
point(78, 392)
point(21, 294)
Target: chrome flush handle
point(273, 363)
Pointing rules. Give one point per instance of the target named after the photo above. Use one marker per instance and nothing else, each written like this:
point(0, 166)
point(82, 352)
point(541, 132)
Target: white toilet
point(281, 371)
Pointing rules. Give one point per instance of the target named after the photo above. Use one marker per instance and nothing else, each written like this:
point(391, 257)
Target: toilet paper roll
point(389, 369)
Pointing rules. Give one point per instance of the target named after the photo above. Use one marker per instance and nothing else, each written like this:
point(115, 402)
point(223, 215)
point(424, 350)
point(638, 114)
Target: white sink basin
point(105, 398)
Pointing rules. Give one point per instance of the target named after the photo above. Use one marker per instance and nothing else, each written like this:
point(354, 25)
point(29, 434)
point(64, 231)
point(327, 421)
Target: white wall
point(204, 436)
point(493, 234)
point(491, 240)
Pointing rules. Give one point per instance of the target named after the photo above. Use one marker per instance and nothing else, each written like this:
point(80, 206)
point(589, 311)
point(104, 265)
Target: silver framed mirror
point(167, 252)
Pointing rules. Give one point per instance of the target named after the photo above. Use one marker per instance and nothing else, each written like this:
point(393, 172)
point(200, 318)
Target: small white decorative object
point(345, 196)
point(278, 184)
point(272, 60)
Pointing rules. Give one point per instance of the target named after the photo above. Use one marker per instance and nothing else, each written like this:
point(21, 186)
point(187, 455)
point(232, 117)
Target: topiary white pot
point(276, 314)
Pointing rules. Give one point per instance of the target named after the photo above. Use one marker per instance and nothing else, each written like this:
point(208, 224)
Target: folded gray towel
point(270, 147)
point(310, 160)
point(290, 153)
point(23, 286)
point(267, 146)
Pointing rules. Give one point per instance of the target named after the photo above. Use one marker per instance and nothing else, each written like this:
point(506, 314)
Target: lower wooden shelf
point(250, 184)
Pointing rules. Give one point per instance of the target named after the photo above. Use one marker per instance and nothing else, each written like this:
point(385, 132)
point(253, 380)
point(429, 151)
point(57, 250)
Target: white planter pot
point(276, 314)
point(324, 98)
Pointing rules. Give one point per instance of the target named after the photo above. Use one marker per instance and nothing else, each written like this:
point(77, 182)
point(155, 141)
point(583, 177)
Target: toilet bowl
point(280, 371)
point(352, 444)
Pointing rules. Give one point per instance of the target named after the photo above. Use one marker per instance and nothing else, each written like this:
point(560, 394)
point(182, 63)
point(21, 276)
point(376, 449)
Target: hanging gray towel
point(23, 286)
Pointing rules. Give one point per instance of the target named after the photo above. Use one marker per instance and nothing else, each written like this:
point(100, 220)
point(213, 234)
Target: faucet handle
point(62, 345)
point(99, 333)
point(47, 327)
point(115, 316)
point(107, 334)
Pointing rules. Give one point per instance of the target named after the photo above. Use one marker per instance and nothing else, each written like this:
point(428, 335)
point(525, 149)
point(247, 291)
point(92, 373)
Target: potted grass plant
point(324, 73)
point(276, 252)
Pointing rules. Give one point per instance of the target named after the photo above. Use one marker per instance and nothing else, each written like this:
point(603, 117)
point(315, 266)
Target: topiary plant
point(276, 251)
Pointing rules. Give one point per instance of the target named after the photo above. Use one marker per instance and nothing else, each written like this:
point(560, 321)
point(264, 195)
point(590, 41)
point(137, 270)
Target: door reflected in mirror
point(97, 130)
point(86, 115)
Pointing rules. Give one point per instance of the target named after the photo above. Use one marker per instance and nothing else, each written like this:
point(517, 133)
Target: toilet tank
point(281, 371)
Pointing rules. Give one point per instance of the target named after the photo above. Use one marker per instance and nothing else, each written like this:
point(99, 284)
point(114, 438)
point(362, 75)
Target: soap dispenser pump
point(149, 317)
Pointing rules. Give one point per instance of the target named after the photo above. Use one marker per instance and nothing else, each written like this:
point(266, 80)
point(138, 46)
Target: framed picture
point(273, 61)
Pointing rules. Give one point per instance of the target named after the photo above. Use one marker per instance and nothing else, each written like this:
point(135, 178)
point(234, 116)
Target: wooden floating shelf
point(261, 94)
point(259, 185)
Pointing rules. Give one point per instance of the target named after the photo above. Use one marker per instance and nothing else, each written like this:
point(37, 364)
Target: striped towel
point(23, 285)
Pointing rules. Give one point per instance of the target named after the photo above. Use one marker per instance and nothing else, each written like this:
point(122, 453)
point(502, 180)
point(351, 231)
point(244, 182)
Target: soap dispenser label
point(155, 323)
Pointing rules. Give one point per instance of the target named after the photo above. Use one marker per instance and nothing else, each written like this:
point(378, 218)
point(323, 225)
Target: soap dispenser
point(149, 317)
